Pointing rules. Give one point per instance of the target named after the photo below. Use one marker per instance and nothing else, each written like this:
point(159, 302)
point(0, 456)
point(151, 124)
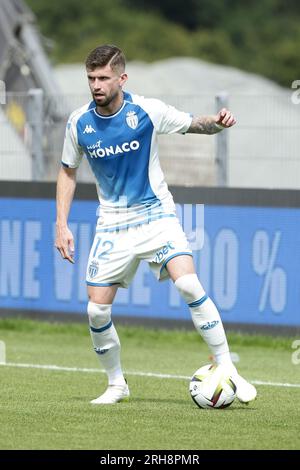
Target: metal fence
point(262, 150)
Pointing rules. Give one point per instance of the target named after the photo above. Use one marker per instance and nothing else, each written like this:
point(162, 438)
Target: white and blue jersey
point(122, 151)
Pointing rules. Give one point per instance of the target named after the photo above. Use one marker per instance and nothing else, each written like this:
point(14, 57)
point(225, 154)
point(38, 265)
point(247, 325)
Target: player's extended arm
point(212, 124)
point(66, 183)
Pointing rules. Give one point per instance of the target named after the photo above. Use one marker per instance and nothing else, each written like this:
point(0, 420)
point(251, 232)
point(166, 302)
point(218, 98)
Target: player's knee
point(190, 287)
point(99, 314)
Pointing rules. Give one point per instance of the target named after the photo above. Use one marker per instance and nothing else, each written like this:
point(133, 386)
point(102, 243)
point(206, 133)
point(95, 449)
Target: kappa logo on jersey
point(93, 269)
point(88, 129)
point(132, 119)
point(96, 150)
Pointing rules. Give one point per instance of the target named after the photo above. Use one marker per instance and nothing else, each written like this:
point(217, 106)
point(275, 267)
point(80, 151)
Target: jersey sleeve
point(72, 152)
point(166, 119)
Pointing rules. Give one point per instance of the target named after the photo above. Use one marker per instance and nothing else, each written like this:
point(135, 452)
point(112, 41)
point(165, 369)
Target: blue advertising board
point(249, 264)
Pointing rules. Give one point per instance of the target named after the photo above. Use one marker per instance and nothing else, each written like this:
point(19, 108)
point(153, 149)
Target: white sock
point(106, 341)
point(205, 316)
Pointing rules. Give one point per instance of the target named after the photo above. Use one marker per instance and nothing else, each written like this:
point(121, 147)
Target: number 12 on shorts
point(104, 247)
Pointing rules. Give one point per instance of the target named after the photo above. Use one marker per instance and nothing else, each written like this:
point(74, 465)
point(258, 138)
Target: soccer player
point(117, 132)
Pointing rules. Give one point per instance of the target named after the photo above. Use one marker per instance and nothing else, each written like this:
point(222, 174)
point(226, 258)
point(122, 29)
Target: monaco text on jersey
point(96, 150)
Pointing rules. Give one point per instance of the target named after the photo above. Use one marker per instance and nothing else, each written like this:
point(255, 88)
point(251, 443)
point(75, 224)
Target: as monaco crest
point(93, 269)
point(132, 119)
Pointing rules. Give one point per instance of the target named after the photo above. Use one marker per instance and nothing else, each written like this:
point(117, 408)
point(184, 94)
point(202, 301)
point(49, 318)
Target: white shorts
point(115, 256)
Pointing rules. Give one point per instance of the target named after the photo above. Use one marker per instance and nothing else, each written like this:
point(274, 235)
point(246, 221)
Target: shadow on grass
point(237, 407)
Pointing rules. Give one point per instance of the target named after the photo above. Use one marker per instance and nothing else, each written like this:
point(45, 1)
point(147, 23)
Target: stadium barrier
point(261, 151)
point(249, 262)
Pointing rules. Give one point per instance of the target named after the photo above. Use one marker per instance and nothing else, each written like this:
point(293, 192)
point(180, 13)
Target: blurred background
point(199, 57)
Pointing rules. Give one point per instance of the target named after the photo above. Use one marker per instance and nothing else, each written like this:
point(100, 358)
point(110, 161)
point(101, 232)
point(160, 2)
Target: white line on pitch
point(274, 384)
point(84, 369)
point(141, 374)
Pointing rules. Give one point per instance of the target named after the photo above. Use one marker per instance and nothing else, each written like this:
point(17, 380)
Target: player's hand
point(65, 243)
point(225, 118)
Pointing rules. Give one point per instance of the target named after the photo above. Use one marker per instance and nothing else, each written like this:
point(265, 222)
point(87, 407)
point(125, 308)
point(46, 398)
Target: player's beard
point(105, 101)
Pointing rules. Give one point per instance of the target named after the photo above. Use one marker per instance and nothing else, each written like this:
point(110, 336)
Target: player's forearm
point(66, 183)
point(204, 125)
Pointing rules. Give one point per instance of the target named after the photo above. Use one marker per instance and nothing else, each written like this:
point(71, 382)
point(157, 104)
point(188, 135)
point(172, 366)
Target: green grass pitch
point(50, 409)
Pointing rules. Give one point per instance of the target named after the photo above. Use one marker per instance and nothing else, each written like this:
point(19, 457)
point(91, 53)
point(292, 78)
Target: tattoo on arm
point(204, 125)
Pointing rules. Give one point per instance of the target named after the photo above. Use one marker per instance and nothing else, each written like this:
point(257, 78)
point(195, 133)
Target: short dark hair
point(106, 54)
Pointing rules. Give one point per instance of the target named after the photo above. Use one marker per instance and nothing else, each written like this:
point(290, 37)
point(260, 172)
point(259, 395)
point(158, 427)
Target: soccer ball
point(212, 387)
